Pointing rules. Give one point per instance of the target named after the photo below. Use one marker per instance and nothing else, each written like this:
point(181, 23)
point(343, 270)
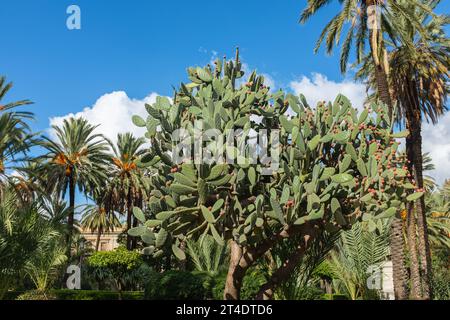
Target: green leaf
point(335, 205)
point(351, 151)
point(361, 167)
point(209, 217)
point(401, 134)
point(342, 178)
point(252, 176)
point(366, 198)
point(327, 173)
point(313, 202)
point(148, 237)
point(217, 206)
point(216, 235)
point(217, 171)
point(137, 231)
point(345, 163)
point(415, 196)
point(138, 121)
point(312, 145)
point(222, 181)
point(341, 137)
point(148, 251)
point(387, 214)
point(372, 149)
point(137, 212)
point(178, 252)
point(181, 189)
point(152, 223)
point(287, 125)
point(300, 221)
point(161, 238)
point(363, 116)
point(285, 195)
point(277, 210)
point(326, 138)
point(163, 215)
point(163, 102)
point(204, 75)
point(314, 215)
point(181, 178)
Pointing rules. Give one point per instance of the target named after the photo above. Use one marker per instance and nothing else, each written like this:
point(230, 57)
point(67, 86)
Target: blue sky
point(136, 48)
point(145, 46)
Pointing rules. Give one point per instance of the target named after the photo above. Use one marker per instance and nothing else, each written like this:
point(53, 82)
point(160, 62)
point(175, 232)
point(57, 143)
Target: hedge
point(65, 294)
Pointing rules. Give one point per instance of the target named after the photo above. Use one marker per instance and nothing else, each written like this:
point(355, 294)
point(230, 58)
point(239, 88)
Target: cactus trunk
point(282, 274)
point(236, 272)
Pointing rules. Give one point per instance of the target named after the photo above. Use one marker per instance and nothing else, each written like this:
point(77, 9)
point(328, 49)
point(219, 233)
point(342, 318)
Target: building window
point(104, 246)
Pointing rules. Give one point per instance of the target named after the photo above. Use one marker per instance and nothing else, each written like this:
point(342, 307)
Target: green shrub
point(328, 296)
point(36, 295)
point(176, 285)
point(95, 295)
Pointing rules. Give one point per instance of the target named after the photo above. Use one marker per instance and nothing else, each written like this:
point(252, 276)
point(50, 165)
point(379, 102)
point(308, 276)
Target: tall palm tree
point(15, 134)
point(363, 26)
point(78, 158)
point(419, 62)
point(96, 219)
point(128, 186)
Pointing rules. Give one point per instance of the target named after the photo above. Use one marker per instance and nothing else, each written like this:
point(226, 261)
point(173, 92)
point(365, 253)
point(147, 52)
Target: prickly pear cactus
point(335, 165)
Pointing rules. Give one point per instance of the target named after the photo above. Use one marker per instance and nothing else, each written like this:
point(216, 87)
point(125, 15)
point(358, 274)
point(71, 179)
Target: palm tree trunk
point(70, 218)
point(415, 157)
point(129, 220)
point(99, 234)
point(400, 274)
point(129, 224)
point(397, 242)
point(416, 287)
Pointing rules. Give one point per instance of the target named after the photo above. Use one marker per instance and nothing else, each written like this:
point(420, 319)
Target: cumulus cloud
point(436, 141)
point(112, 112)
point(319, 88)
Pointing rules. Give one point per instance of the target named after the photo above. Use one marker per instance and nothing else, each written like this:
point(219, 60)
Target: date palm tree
point(128, 185)
point(15, 134)
point(96, 219)
point(361, 17)
point(419, 63)
point(77, 158)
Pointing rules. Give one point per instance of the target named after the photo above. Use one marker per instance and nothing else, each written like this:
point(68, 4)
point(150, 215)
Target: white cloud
point(319, 88)
point(112, 112)
point(436, 141)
